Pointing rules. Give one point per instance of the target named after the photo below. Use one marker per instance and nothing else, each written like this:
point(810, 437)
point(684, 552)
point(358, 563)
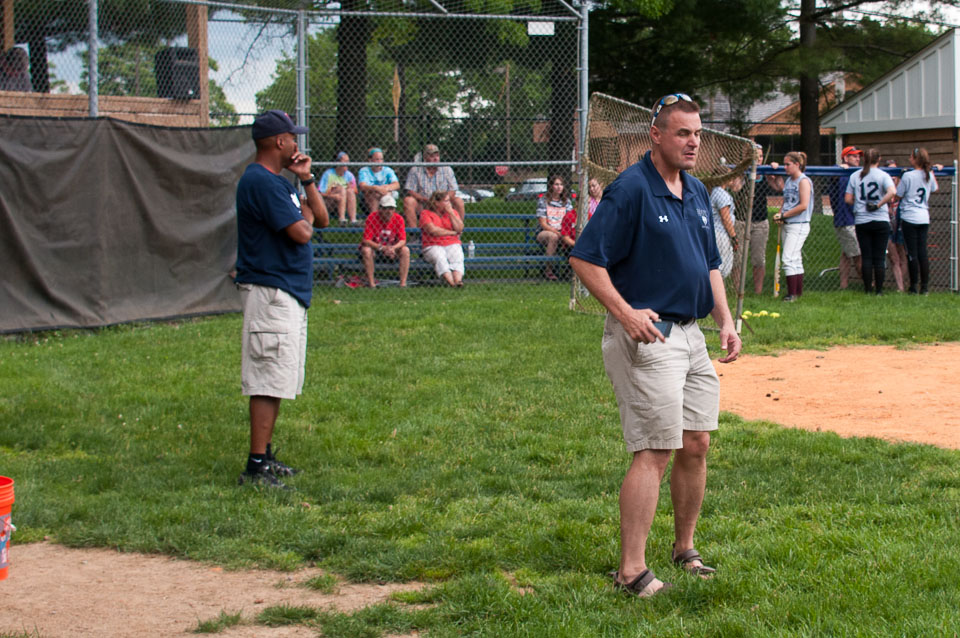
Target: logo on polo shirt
point(704, 217)
point(296, 200)
point(664, 219)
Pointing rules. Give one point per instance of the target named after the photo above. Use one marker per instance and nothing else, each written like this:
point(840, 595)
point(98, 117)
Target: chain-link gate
point(618, 135)
point(495, 89)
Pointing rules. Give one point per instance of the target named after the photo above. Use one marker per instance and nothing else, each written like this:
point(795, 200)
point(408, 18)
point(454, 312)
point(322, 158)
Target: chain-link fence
point(618, 134)
point(496, 88)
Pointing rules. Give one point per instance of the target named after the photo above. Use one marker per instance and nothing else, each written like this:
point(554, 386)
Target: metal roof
point(920, 93)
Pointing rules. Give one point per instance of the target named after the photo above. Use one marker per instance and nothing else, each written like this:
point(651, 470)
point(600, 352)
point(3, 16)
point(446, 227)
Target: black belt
point(680, 321)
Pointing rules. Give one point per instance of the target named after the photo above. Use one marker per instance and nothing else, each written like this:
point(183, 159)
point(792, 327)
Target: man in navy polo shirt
point(275, 278)
point(649, 255)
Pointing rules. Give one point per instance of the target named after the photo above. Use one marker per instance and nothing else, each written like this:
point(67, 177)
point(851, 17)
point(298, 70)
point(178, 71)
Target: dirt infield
point(898, 395)
point(58, 592)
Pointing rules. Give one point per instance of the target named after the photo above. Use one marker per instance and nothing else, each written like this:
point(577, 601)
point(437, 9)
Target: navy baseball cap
point(274, 123)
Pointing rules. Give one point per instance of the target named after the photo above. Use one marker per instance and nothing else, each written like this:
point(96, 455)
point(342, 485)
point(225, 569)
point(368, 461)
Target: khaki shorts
point(662, 388)
point(759, 234)
point(274, 347)
point(847, 237)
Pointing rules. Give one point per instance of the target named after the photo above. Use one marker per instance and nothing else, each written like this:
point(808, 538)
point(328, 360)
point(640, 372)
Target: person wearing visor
point(275, 279)
point(385, 240)
point(843, 221)
point(649, 255)
point(376, 180)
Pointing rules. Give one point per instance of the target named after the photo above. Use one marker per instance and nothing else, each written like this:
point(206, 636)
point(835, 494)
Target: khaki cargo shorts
point(662, 389)
point(847, 237)
point(274, 347)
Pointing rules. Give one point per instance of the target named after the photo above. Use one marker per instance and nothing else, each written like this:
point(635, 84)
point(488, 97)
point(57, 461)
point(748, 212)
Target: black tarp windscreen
point(103, 222)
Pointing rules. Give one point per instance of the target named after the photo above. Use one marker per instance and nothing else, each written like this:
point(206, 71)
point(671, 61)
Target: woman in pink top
point(595, 192)
point(440, 228)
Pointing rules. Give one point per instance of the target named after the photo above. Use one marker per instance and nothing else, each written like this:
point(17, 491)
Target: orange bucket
point(6, 502)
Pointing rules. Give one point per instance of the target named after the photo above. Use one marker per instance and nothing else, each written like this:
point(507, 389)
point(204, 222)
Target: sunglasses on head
point(668, 100)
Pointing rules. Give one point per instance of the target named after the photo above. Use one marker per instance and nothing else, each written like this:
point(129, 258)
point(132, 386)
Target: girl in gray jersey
point(795, 217)
point(870, 190)
point(914, 193)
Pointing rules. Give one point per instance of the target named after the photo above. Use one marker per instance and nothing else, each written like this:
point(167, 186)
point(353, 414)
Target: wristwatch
point(307, 182)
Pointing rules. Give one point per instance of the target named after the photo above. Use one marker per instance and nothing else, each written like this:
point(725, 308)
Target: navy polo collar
point(657, 185)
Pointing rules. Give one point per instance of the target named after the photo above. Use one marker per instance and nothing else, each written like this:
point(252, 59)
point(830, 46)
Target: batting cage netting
point(618, 135)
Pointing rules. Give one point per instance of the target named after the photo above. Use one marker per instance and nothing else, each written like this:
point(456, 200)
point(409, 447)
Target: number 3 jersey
point(914, 193)
point(869, 189)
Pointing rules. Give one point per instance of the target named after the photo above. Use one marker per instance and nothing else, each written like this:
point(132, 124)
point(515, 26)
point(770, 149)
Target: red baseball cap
point(850, 150)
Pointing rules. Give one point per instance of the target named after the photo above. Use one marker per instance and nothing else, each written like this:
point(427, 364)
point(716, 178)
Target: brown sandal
point(638, 584)
point(686, 559)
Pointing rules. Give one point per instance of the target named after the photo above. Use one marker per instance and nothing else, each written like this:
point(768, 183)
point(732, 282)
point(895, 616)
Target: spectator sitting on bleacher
point(568, 229)
point(551, 208)
point(339, 189)
point(14, 70)
point(440, 226)
point(377, 180)
point(595, 191)
point(385, 238)
point(423, 181)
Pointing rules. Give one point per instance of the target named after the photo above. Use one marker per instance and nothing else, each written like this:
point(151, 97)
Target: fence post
point(304, 140)
point(954, 229)
point(93, 93)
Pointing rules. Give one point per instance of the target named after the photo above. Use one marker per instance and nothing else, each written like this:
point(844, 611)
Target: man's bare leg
point(263, 417)
point(404, 265)
point(367, 253)
point(688, 480)
point(410, 211)
point(844, 270)
point(638, 505)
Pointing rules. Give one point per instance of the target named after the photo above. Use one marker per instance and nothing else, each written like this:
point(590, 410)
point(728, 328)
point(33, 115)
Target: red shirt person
point(385, 239)
point(568, 229)
point(441, 225)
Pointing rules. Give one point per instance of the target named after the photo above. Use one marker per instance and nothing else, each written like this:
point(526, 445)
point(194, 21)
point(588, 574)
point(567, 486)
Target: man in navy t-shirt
point(649, 255)
point(275, 278)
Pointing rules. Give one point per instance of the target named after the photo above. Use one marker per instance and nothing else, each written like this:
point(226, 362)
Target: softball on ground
point(762, 313)
point(775, 315)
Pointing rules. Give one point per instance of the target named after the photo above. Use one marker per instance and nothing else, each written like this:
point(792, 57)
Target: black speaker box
point(178, 73)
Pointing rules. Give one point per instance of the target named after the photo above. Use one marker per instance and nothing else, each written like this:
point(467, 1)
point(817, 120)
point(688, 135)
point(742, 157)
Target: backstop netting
point(618, 135)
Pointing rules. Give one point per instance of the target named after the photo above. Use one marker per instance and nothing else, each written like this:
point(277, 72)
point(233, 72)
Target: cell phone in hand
point(664, 327)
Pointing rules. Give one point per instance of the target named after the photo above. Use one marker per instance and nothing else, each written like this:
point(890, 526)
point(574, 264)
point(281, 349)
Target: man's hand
point(872, 207)
point(639, 325)
point(389, 251)
point(730, 341)
point(301, 166)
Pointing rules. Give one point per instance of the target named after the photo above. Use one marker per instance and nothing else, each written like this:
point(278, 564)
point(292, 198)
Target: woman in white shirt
point(870, 190)
point(795, 216)
point(914, 192)
point(723, 224)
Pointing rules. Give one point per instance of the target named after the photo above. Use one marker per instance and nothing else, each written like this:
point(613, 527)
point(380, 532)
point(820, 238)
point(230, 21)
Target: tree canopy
point(745, 49)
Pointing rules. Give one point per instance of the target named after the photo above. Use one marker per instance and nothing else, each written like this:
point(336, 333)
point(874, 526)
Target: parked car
point(479, 194)
point(466, 197)
point(529, 190)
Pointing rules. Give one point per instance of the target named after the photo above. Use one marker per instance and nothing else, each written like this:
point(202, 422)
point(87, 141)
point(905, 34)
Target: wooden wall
point(898, 145)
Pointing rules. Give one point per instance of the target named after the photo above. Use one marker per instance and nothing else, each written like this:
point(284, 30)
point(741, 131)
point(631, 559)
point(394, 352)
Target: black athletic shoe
point(280, 468)
point(261, 477)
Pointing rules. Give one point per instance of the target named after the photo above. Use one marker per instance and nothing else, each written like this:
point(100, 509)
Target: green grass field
point(471, 440)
